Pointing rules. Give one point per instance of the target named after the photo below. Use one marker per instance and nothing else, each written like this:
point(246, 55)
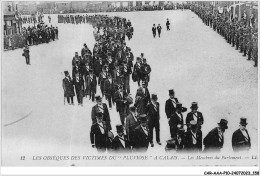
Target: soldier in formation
point(241, 35)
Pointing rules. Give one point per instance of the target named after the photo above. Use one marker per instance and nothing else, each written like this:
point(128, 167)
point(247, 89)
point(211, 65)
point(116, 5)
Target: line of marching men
point(110, 67)
point(136, 134)
point(238, 33)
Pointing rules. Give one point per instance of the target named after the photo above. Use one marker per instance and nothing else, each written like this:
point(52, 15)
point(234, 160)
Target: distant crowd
point(42, 33)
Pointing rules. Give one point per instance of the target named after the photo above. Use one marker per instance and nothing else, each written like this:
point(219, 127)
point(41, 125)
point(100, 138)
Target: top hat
point(98, 98)
point(99, 115)
point(132, 108)
point(142, 118)
point(223, 123)
point(243, 121)
point(171, 92)
point(119, 128)
point(194, 105)
point(178, 106)
point(154, 97)
point(142, 54)
point(170, 144)
point(66, 73)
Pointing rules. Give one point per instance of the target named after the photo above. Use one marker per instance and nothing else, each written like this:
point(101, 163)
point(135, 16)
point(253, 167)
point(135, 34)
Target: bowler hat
point(66, 73)
point(243, 121)
point(223, 123)
point(154, 97)
point(171, 92)
point(98, 98)
point(76, 52)
point(194, 105)
point(178, 106)
point(119, 128)
point(142, 118)
point(144, 59)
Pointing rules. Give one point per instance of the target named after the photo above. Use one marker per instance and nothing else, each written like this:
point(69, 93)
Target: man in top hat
point(159, 29)
point(98, 66)
point(215, 139)
point(131, 123)
point(109, 89)
point(137, 73)
point(154, 30)
point(76, 60)
point(68, 87)
point(153, 113)
point(85, 50)
point(101, 108)
point(240, 138)
point(193, 138)
point(170, 105)
point(101, 79)
point(120, 143)
point(146, 70)
point(145, 93)
point(99, 134)
point(91, 85)
point(79, 87)
point(126, 71)
point(141, 135)
point(168, 24)
point(176, 120)
point(26, 54)
point(194, 115)
point(121, 103)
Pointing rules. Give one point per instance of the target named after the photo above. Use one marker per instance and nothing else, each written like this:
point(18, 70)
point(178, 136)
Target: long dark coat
point(68, 87)
point(106, 116)
point(118, 147)
point(141, 143)
point(188, 141)
point(211, 141)
point(170, 108)
point(239, 142)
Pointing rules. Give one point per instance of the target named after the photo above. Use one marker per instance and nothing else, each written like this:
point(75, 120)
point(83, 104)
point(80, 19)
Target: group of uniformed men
point(238, 33)
point(112, 63)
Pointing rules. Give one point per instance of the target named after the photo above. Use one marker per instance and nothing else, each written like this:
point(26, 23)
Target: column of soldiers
point(237, 33)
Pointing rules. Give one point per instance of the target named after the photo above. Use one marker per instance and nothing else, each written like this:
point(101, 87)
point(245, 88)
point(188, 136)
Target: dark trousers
point(157, 131)
point(70, 98)
point(154, 34)
point(27, 59)
point(79, 96)
point(109, 99)
point(168, 28)
point(159, 34)
point(122, 116)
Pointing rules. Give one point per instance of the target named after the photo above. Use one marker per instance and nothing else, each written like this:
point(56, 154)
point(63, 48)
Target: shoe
point(159, 143)
point(152, 145)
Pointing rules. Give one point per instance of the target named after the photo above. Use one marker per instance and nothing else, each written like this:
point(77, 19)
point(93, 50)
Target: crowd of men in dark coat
point(239, 34)
point(110, 66)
